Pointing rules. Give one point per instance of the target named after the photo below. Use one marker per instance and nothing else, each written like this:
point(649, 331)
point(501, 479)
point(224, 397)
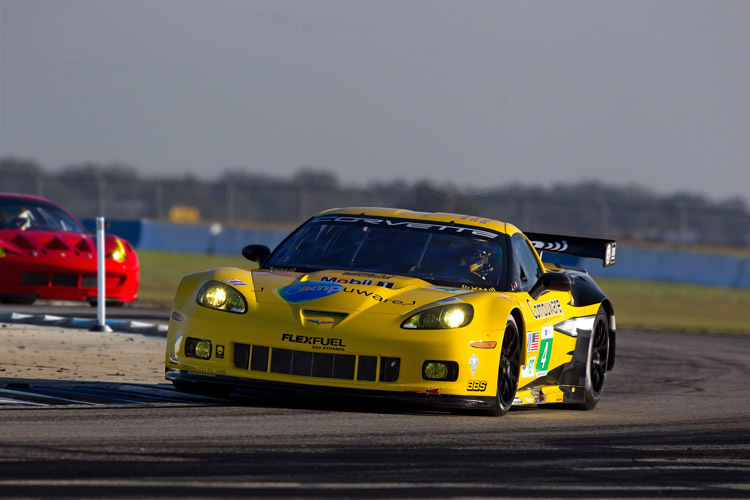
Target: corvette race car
point(444, 309)
point(46, 253)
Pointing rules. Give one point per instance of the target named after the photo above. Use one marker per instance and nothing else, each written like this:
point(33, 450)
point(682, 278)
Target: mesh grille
point(367, 368)
point(89, 281)
point(343, 366)
point(259, 360)
point(281, 361)
point(311, 364)
point(323, 366)
point(314, 364)
point(241, 355)
point(389, 369)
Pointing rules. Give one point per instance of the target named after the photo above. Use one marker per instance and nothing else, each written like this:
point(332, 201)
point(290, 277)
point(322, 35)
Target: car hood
point(31, 241)
point(347, 291)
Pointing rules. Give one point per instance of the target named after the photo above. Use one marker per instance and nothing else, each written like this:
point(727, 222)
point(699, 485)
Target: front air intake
point(315, 364)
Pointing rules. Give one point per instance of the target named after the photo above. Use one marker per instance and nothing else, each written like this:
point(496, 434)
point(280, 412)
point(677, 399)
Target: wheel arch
point(609, 312)
point(518, 317)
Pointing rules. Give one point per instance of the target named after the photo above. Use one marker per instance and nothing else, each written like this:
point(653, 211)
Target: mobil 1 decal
point(545, 351)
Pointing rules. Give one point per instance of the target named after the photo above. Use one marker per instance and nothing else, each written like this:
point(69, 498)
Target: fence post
point(101, 321)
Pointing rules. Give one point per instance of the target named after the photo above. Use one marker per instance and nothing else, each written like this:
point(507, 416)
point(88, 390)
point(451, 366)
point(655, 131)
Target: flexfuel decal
point(545, 309)
point(324, 343)
point(308, 290)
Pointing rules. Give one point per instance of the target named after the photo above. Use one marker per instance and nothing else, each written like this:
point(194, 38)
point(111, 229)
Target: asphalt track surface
point(673, 423)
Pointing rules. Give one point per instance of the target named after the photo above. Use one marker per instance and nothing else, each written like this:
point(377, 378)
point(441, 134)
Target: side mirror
point(256, 253)
point(551, 281)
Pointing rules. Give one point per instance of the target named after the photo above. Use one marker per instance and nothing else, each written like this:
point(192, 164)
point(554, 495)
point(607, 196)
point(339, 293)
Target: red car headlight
point(119, 254)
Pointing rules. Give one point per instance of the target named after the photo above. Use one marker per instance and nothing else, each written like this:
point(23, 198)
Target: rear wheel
point(508, 371)
point(596, 365)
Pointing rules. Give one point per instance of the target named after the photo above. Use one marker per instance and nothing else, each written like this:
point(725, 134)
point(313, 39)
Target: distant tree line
point(241, 198)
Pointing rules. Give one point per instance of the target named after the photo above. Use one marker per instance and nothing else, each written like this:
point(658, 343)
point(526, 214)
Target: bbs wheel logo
point(476, 385)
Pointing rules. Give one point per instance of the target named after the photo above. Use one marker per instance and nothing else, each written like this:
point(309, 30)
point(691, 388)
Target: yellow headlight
point(215, 296)
point(435, 371)
point(2, 252)
point(453, 317)
point(441, 317)
point(197, 348)
point(218, 295)
point(440, 370)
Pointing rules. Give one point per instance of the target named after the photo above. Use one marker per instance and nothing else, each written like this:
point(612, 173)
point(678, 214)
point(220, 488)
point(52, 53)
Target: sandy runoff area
point(54, 353)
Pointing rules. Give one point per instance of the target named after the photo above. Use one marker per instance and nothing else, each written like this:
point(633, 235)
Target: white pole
point(101, 274)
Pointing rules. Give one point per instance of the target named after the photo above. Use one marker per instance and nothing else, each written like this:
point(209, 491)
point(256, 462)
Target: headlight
point(2, 252)
point(440, 370)
point(119, 253)
point(217, 295)
point(198, 348)
point(437, 318)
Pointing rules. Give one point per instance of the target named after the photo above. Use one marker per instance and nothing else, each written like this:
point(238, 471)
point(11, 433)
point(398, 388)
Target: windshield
point(440, 254)
point(30, 214)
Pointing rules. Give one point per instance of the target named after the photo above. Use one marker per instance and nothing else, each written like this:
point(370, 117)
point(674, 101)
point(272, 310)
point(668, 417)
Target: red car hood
point(26, 242)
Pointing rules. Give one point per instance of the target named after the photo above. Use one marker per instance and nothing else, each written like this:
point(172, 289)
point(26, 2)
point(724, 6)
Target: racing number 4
point(545, 349)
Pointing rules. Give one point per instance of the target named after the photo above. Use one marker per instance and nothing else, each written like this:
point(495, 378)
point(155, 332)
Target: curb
point(120, 326)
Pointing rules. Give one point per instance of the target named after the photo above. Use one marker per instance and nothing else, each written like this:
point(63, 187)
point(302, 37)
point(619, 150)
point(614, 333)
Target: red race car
point(46, 253)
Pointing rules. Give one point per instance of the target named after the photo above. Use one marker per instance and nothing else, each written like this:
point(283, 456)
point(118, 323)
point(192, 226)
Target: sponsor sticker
point(527, 371)
point(533, 339)
point(354, 281)
point(476, 385)
point(308, 290)
point(474, 363)
point(545, 351)
point(545, 309)
point(323, 343)
point(434, 227)
point(235, 282)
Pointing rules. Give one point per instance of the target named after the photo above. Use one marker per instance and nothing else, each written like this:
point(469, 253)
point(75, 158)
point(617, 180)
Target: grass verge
point(161, 272)
point(647, 305)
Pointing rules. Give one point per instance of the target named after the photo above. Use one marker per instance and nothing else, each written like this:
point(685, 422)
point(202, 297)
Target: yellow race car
point(449, 310)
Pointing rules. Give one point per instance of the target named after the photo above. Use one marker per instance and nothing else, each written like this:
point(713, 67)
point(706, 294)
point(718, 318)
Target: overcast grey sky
point(474, 93)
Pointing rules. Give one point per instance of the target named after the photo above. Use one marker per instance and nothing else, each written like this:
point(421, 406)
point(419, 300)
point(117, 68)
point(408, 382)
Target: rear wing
point(592, 248)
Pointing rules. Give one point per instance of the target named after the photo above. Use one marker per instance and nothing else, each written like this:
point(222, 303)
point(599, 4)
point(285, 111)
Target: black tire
point(596, 364)
point(508, 370)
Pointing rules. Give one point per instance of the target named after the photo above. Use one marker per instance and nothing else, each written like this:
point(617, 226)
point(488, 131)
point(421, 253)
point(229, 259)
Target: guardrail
point(632, 263)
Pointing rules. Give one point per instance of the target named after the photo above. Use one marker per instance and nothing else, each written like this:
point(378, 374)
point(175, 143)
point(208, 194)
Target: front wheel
point(508, 371)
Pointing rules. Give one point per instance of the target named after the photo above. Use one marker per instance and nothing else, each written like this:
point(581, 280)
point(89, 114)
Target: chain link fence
point(284, 204)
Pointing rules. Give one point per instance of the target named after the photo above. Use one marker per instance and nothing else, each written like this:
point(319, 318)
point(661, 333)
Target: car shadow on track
point(24, 393)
